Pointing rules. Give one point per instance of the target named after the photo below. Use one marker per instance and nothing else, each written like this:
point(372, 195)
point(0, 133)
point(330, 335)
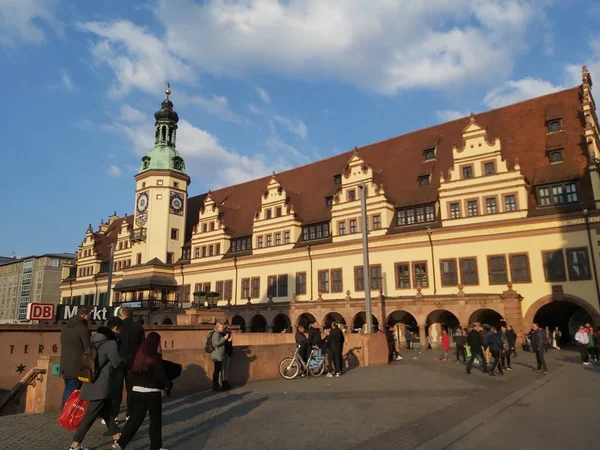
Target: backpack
point(209, 347)
point(89, 366)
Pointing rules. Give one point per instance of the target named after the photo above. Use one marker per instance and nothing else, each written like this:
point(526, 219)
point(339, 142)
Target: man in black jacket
point(461, 341)
point(314, 335)
point(475, 341)
point(335, 341)
point(130, 340)
point(537, 345)
point(303, 343)
point(74, 339)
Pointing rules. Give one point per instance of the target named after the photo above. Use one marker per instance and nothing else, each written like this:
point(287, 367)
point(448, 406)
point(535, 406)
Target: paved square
point(419, 403)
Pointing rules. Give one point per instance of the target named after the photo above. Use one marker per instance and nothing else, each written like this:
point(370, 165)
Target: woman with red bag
point(98, 392)
point(149, 380)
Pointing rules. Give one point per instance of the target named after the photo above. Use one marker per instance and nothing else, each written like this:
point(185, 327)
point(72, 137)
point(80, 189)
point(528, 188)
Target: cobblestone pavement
point(406, 406)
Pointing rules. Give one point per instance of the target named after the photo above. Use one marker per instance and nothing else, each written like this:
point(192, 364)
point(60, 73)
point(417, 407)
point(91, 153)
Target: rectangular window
point(204, 251)
point(219, 290)
point(519, 268)
point(198, 287)
point(420, 278)
point(206, 287)
point(554, 266)
point(246, 288)
point(316, 231)
point(337, 284)
point(376, 278)
point(278, 211)
point(472, 208)
point(342, 228)
point(259, 242)
point(278, 239)
point(553, 125)
point(359, 279)
point(402, 276)
point(228, 289)
point(272, 286)
point(217, 249)
point(376, 222)
point(269, 240)
point(421, 214)
point(555, 156)
point(212, 226)
point(468, 272)
point(489, 168)
point(423, 180)
point(455, 210)
point(578, 264)
point(510, 203)
point(139, 258)
point(282, 286)
point(286, 237)
point(323, 280)
point(429, 154)
point(557, 194)
point(337, 180)
point(210, 250)
point(449, 272)
point(204, 227)
point(351, 195)
point(490, 206)
point(268, 213)
point(353, 226)
point(467, 172)
point(255, 287)
point(159, 182)
point(300, 283)
point(102, 299)
point(169, 258)
point(329, 202)
point(241, 244)
point(497, 269)
point(174, 233)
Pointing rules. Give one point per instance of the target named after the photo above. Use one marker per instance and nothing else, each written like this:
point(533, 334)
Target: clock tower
point(160, 194)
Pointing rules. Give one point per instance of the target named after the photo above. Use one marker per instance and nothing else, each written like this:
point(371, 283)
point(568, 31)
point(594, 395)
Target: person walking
point(335, 341)
point(445, 345)
point(583, 339)
point(218, 353)
point(556, 335)
point(506, 348)
point(475, 343)
point(391, 344)
point(408, 338)
point(511, 336)
point(98, 392)
point(149, 381)
point(537, 346)
point(495, 346)
point(591, 347)
point(227, 358)
point(131, 338)
point(461, 342)
point(74, 340)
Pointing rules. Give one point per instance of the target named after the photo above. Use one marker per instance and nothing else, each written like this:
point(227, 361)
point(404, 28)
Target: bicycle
point(293, 365)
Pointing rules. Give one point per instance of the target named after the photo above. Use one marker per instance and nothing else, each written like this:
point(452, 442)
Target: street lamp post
point(429, 232)
point(366, 269)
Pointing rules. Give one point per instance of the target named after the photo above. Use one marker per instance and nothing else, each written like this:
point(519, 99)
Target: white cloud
point(26, 20)
point(66, 81)
point(113, 171)
point(217, 106)
point(447, 115)
point(515, 91)
point(256, 110)
point(592, 63)
point(130, 114)
point(387, 47)
point(295, 126)
point(263, 95)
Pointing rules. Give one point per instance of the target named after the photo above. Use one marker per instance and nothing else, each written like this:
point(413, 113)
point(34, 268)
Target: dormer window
point(329, 201)
point(424, 180)
point(351, 195)
point(554, 125)
point(429, 154)
point(555, 156)
point(489, 168)
point(337, 180)
point(268, 213)
point(467, 172)
point(278, 211)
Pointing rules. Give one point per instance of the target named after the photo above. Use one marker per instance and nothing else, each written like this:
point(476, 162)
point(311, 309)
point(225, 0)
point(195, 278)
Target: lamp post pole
point(365, 245)
point(110, 271)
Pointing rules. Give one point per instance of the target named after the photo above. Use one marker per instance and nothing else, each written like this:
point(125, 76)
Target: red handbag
point(73, 412)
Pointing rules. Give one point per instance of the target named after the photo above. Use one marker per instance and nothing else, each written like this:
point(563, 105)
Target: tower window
point(555, 156)
point(169, 258)
point(175, 184)
point(159, 182)
point(554, 125)
point(429, 154)
point(143, 184)
point(158, 196)
point(424, 180)
point(174, 233)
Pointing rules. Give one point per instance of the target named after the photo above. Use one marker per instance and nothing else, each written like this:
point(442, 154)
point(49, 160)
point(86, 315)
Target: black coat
point(511, 337)
point(335, 339)
point(156, 378)
point(494, 342)
point(74, 339)
point(537, 339)
point(131, 337)
point(314, 337)
point(475, 341)
point(390, 338)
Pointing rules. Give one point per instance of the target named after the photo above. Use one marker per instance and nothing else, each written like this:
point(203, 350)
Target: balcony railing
point(148, 303)
point(138, 235)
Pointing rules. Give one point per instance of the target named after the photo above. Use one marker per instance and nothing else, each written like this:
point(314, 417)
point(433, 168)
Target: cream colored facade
point(483, 251)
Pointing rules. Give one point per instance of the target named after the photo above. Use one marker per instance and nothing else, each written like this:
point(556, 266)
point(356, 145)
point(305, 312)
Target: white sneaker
point(586, 363)
point(337, 375)
point(398, 358)
point(102, 421)
point(329, 375)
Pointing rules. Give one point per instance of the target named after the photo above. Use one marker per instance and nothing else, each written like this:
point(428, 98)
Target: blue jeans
point(70, 385)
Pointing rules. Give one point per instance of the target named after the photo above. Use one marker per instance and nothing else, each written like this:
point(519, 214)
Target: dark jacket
point(537, 339)
point(390, 338)
point(108, 360)
point(511, 337)
point(155, 378)
point(460, 339)
point(228, 345)
point(474, 340)
point(301, 338)
point(314, 337)
point(74, 339)
point(484, 338)
point(131, 338)
point(494, 342)
point(335, 339)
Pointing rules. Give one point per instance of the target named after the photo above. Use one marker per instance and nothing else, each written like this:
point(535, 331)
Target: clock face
point(142, 202)
point(176, 203)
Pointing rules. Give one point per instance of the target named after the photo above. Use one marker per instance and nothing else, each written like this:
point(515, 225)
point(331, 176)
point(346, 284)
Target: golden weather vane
point(168, 89)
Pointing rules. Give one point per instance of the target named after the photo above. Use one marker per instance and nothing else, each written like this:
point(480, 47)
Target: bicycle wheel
point(318, 371)
point(289, 368)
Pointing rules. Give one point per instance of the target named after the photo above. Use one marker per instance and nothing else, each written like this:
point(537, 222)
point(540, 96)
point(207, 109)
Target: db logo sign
point(41, 311)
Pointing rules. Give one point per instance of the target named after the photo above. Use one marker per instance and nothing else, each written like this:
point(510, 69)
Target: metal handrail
point(32, 377)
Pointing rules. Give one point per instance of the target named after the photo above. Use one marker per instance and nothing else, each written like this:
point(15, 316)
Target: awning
point(144, 283)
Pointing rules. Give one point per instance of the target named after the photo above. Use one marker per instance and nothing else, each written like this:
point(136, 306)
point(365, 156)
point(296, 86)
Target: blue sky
point(259, 85)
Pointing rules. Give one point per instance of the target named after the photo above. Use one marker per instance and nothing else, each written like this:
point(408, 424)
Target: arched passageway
point(333, 317)
point(439, 321)
point(258, 324)
point(239, 322)
point(405, 327)
point(167, 321)
point(565, 315)
point(305, 320)
point(281, 323)
point(487, 317)
point(359, 322)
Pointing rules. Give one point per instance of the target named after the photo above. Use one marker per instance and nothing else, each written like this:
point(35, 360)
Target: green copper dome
point(164, 155)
